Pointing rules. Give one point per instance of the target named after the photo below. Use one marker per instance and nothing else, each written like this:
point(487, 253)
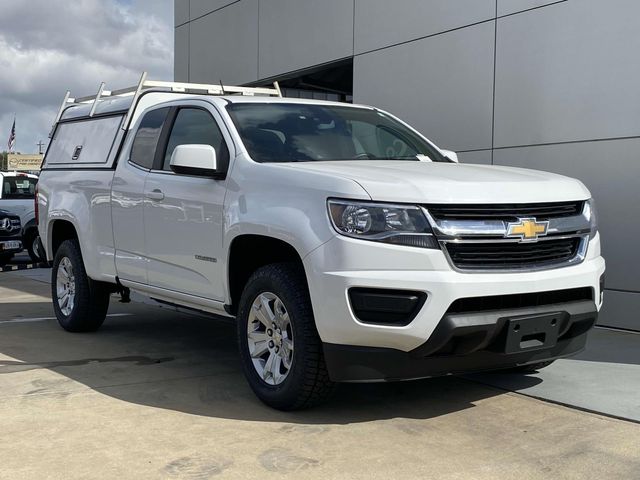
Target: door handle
point(155, 194)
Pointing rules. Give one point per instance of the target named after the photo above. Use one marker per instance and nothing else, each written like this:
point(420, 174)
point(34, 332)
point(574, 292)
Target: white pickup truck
point(346, 246)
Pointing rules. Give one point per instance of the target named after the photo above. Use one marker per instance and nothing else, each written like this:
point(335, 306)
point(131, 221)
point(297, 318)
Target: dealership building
point(549, 85)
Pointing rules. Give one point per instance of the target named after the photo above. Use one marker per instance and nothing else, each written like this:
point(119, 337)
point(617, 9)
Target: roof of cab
point(121, 104)
point(265, 99)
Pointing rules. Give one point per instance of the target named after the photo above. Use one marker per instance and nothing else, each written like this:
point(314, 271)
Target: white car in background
point(17, 195)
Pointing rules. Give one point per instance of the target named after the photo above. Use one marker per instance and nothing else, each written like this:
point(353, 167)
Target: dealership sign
point(17, 161)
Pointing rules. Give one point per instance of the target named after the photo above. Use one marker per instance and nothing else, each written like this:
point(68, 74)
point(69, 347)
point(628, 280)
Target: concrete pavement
point(604, 378)
point(159, 394)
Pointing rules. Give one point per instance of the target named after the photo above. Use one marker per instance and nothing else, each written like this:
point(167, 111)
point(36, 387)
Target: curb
point(25, 266)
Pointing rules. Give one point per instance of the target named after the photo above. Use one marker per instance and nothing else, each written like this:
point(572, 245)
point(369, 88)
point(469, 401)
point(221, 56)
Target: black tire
point(31, 243)
point(307, 383)
point(5, 258)
point(91, 298)
point(532, 368)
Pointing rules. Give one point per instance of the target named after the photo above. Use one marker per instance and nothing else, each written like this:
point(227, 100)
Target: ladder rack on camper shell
point(146, 85)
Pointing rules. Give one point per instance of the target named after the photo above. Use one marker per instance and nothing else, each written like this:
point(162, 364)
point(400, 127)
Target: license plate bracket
point(532, 332)
point(11, 245)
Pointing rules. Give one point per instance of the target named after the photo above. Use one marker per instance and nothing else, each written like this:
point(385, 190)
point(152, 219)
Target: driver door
point(183, 214)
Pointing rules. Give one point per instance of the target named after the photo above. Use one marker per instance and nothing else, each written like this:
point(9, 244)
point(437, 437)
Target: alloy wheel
point(270, 338)
point(65, 286)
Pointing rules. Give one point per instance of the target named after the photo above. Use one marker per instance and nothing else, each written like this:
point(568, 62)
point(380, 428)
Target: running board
point(177, 298)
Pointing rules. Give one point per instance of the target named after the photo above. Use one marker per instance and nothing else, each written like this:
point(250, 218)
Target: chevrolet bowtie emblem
point(527, 229)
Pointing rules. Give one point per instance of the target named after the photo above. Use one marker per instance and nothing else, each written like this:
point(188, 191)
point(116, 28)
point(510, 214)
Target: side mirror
point(195, 160)
point(453, 156)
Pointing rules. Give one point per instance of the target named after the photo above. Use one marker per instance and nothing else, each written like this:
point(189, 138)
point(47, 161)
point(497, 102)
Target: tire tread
point(92, 298)
point(316, 385)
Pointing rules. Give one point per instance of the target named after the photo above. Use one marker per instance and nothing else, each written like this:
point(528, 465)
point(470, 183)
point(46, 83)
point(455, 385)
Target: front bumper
point(464, 343)
point(342, 263)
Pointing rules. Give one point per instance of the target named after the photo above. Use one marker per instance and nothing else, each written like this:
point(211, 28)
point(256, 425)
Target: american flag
point(12, 136)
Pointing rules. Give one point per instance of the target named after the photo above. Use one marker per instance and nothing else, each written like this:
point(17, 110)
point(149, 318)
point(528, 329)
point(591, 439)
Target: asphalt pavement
point(159, 393)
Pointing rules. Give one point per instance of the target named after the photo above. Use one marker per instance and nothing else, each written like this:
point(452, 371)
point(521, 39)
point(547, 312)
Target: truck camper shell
point(88, 131)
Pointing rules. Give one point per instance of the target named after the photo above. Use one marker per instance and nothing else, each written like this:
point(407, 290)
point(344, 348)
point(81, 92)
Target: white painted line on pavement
point(27, 320)
point(619, 330)
point(43, 319)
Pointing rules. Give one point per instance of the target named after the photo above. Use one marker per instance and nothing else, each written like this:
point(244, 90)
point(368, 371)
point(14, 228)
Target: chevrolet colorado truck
point(345, 245)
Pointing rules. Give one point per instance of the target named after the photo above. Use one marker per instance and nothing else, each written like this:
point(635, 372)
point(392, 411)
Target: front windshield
point(295, 132)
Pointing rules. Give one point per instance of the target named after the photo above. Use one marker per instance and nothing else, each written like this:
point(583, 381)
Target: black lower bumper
point(464, 343)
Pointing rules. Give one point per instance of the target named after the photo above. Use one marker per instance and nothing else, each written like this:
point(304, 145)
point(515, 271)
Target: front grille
point(16, 230)
point(508, 255)
point(519, 300)
point(506, 212)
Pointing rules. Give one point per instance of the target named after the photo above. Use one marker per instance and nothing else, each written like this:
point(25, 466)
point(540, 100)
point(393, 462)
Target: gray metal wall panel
point(181, 56)
point(506, 7)
point(610, 169)
point(202, 7)
point(566, 72)
point(224, 45)
point(380, 23)
point(482, 157)
point(620, 310)
point(442, 85)
point(180, 12)
point(295, 34)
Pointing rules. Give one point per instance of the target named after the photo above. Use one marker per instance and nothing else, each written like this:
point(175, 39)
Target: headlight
point(589, 212)
point(381, 222)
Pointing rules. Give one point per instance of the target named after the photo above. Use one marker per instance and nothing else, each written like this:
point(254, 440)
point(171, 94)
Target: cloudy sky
point(50, 46)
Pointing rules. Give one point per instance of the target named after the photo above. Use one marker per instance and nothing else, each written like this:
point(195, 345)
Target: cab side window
point(196, 126)
point(145, 142)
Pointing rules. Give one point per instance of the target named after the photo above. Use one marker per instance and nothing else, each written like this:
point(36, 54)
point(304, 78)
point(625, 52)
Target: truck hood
point(427, 182)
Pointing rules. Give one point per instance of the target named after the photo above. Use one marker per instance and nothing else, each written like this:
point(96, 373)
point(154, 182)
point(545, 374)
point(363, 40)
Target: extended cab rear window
point(18, 187)
point(144, 146)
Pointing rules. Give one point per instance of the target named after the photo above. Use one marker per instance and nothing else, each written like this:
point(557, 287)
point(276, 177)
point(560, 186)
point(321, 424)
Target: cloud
point(50, 46)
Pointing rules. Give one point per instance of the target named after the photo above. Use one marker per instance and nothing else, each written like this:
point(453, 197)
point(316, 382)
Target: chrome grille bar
point(474, 243)
point(457, 229)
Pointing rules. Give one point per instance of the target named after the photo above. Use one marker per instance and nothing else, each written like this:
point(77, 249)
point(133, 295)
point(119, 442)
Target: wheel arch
point(247, 253)
point(29, 227)
point(59, 231)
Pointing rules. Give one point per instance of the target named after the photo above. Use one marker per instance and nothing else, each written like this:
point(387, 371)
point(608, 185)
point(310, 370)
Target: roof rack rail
point(144, 84)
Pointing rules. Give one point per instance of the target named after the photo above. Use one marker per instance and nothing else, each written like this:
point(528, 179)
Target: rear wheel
point(279, 345)
point(80, 303)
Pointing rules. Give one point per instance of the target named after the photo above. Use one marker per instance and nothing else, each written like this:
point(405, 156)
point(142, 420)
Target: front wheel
point(80, 303)
point(279, 345)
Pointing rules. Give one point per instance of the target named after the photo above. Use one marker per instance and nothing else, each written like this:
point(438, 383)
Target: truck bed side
point(83, 199)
